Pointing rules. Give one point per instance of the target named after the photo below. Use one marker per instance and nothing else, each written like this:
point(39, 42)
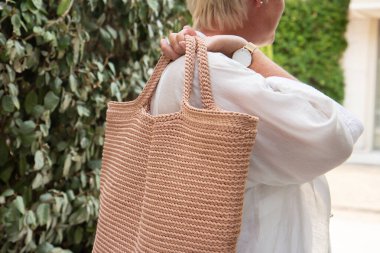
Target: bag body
point(173, 182)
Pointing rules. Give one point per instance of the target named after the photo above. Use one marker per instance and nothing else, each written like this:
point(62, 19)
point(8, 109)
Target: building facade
point(361, 64)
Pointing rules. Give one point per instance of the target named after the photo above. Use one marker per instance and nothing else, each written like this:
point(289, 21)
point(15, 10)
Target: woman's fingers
point(167, 50)
point(183, 45)
point(179, 39)
point(174, 42)
point(189, 31)
point(175, 45)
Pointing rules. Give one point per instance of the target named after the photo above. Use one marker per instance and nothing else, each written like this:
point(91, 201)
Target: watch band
point(250, 47)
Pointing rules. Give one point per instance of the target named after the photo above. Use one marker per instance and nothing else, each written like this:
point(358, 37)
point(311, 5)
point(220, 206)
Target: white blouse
point(302, 134)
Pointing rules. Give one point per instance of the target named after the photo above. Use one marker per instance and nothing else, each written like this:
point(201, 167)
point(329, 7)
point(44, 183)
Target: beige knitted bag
point(173, 182)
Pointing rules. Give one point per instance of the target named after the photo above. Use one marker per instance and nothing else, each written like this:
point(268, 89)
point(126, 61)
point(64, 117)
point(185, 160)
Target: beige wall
point(360, 66)
point(364, 1)
point(365, 8)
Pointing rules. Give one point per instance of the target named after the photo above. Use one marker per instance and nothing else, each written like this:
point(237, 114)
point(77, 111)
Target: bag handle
point(144, 98)
point(194, 46)
point(203, 73)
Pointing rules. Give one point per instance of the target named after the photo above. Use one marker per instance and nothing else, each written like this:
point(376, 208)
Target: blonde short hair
point(217, 14)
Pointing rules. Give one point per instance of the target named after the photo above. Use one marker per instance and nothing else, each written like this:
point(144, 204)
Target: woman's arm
point(302, 133)
point(226, 44)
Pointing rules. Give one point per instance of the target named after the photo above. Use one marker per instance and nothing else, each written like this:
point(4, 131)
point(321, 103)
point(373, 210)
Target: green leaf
point(83, 111)
point(37, 181)
point(79, 216)
point(83, 179)
point(22, 166)
point(57, 85)
point(8, 192)
point(73, 84)
point(67, 98)
point(115, 91)
point(51, 101)
point(38, 30)
point(78, 235)
point(94, 164)
point(112, 32)
point(67, 165)
point(84, 142)
point(38, 160)
point(59, 204)
point(5, 174)
point(3, 40)
point(38, 110)
point(15, 102)
point(11, 75)
point(37, 3)
point(44, 130)
point(29, 236)
point(64, 6)
point(7, 103)
point(48, 36)
point(70, 195)
point(45, 247)
point(13, 90)
point(19, 49)
point(153, 4)
point(30, 218)
point(27, 127)
point(16, 24)
point(19, 204)
point(112, 67)
point(60, 250)
point(43, 213)
point(28, 139)
point(46, 197)
point(62, 145)
point(76, 46)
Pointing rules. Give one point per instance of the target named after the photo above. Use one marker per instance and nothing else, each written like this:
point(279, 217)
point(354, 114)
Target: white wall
point(360, 63)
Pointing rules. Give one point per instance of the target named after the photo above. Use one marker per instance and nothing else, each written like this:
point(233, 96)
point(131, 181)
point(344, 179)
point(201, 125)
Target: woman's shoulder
point(218, 64)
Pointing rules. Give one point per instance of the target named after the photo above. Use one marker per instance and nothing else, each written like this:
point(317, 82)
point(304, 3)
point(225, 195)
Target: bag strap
point(203, 73)
point(146, 94)
point(194, 46)
point(144, 98)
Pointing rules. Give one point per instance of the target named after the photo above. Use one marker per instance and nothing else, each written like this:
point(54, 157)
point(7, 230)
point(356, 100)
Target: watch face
point(243, 56)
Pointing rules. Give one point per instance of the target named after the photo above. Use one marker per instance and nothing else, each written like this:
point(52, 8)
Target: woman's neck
point(249, 35)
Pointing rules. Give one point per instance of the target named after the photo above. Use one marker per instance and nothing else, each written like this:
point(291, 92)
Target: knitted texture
point(174, 182)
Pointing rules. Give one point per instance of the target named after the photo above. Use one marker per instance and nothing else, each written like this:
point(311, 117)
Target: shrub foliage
point(310, 43)
point(62, 61)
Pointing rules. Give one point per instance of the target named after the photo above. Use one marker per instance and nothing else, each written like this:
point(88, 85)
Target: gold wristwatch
point(244, 55)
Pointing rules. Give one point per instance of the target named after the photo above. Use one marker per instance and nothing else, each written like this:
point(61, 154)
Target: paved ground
point(355, 194)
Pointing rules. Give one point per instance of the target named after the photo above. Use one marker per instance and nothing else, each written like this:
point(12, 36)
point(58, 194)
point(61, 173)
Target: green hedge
point(310, 43)
point(59, 65)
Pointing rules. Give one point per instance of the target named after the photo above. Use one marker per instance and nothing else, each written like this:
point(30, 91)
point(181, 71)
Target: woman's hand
point(226, 44)
point(176, 46)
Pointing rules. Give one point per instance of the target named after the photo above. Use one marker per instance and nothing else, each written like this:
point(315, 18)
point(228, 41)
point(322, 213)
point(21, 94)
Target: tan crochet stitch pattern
point(173, 182)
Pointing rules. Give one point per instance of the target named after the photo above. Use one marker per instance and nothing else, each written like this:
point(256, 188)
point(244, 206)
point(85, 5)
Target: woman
point(302, 133)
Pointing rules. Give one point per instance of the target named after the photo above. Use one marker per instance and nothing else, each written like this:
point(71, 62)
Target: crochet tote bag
point(173, 182)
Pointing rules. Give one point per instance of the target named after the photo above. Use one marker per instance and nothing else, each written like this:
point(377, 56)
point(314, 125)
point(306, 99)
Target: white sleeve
point(302, 133)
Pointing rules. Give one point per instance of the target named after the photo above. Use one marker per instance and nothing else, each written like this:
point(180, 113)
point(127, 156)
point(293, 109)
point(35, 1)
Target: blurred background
point(61, 61)
point(354, 186)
